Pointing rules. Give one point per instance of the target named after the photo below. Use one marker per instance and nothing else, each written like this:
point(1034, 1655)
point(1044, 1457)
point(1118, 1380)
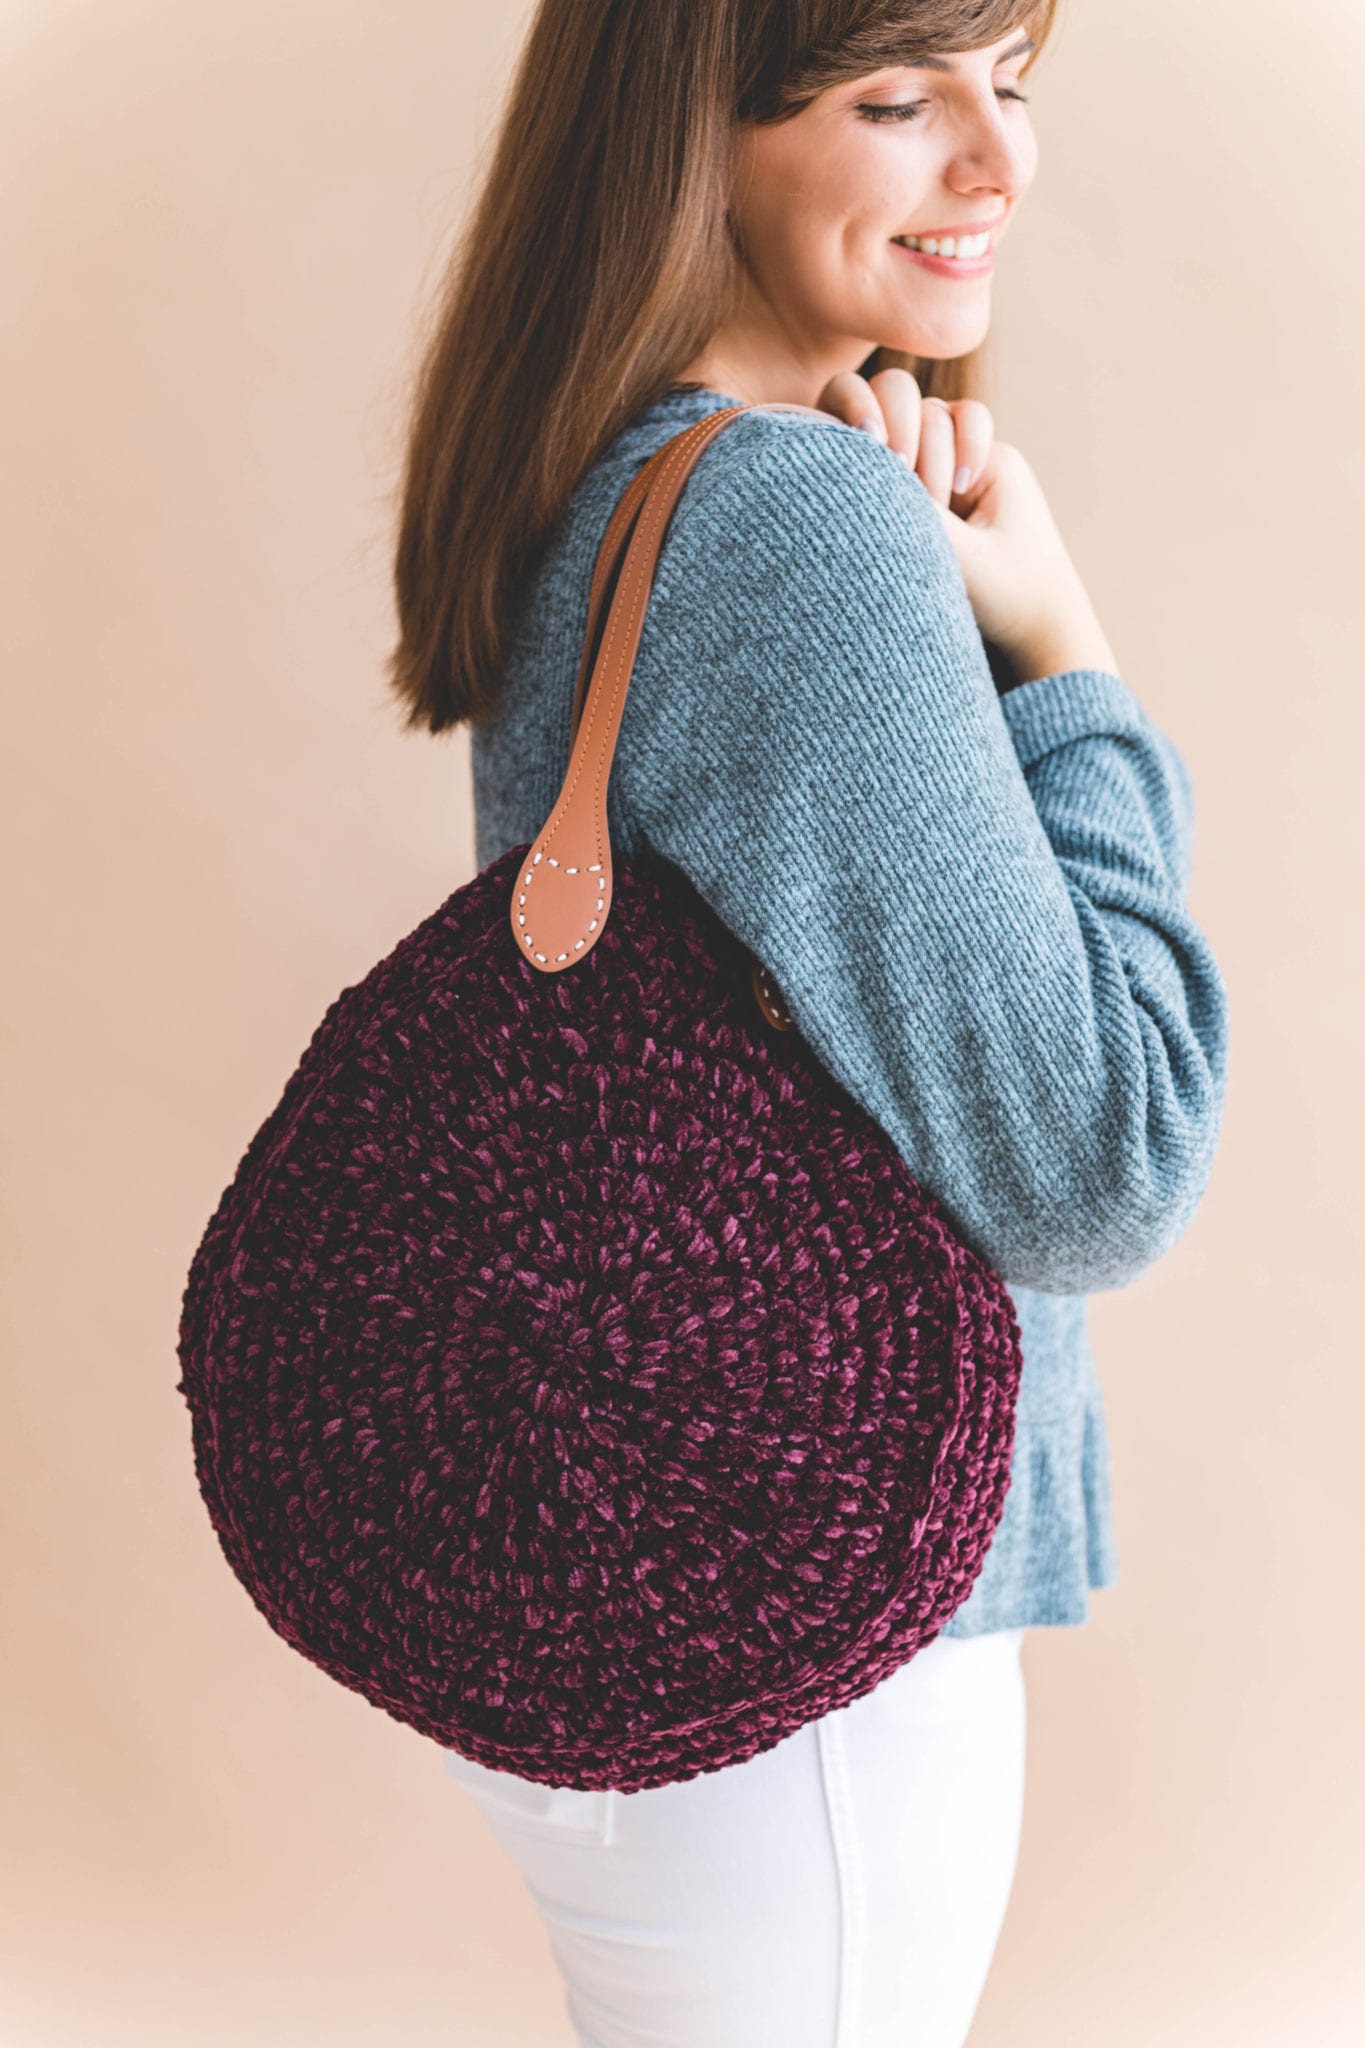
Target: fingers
point(888, 404)
point(851, 398)
point(955, 445)
point(937, 449)
point(946, 441)
point(975, 433)
point(898, 396)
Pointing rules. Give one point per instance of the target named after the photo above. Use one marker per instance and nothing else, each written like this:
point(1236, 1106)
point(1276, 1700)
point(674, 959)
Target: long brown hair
point(596, 262)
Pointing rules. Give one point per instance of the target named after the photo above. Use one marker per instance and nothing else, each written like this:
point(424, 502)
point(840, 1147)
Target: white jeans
point(844, 1889)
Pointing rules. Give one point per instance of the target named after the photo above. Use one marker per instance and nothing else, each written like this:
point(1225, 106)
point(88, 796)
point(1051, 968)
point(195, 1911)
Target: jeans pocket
point(561, 1813)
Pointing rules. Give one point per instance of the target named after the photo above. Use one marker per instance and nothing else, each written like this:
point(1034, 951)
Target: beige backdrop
point(221, 226)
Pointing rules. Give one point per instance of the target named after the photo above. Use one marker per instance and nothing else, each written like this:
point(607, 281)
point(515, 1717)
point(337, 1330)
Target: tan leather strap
point(613, 547)
point(561, 898)
point(609, 557)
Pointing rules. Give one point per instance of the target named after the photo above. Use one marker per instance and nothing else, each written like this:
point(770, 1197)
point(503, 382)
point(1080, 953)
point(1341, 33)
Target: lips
point(963, 227)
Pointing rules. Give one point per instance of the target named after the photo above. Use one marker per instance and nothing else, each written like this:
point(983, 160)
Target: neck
point(763, 372)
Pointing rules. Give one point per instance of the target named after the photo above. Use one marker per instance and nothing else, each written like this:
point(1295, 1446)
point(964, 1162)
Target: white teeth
point(964, 247)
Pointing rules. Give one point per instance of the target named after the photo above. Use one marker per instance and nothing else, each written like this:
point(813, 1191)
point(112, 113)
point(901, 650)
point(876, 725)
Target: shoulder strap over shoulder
point(562, 895)
point(615, 540)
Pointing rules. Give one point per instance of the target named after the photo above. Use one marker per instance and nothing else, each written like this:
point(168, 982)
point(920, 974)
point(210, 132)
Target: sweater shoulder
point(815, 537)
point(796, 481)
point(812, 529)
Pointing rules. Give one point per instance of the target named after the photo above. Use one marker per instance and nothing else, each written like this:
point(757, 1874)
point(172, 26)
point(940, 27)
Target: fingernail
point(873, 426)
point(962, 479)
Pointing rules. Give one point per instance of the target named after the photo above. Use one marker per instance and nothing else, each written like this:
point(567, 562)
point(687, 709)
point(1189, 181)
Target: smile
point(963, 247)
point(951, 256)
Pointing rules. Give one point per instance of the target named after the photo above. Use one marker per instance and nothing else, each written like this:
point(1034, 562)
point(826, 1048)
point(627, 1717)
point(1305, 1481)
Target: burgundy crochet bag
point(575, 1369)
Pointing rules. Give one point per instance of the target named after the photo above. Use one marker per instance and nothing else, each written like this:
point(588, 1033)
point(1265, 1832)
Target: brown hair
point(595, 264)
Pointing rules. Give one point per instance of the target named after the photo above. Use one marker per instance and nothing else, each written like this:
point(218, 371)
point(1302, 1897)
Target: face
point(823, 202)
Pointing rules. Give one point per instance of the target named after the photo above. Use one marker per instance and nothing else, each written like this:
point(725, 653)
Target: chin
point(942, 339)
point(941, 346)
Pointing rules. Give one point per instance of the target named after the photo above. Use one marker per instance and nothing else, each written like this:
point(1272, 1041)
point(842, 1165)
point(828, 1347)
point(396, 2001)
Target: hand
point(936, 437)
point(1026, 592)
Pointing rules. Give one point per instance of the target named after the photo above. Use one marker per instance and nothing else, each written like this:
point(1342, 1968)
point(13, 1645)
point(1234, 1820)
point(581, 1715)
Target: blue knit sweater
point(974, 904)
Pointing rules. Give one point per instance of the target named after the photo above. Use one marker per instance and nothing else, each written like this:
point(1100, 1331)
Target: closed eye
point(908, 110)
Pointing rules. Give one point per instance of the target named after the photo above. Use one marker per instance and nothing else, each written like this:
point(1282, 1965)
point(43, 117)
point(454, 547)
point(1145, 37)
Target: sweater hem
point(1054, 1544)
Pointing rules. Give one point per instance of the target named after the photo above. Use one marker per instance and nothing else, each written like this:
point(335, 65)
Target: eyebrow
point(946, 63)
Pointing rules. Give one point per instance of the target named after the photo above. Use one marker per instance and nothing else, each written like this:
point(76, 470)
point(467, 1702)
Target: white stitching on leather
point(642, 578)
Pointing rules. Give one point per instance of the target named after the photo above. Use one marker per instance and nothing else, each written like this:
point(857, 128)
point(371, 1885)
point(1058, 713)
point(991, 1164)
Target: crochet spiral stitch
point(575, 1369)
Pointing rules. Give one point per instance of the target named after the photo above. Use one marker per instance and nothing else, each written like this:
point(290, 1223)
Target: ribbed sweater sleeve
point(974, 903)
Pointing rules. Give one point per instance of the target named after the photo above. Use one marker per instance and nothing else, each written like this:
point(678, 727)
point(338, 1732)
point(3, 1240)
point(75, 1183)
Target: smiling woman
point(907, 175)
point(875, 723)
point(558, 324)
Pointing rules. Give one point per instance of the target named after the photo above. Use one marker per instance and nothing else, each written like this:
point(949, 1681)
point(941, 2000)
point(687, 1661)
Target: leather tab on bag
point(770, 999)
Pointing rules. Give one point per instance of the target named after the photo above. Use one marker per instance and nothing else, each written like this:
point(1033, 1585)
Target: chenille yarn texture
point(575, 1371)
point(976, 905)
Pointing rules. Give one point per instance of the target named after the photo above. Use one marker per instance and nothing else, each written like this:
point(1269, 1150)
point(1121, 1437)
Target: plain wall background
point(221, 227)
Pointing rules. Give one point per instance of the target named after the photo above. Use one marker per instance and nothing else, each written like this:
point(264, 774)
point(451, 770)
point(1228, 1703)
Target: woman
point(871, 682)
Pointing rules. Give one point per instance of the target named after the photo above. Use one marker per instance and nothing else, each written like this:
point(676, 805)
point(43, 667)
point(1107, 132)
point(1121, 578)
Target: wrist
point(1077, 641)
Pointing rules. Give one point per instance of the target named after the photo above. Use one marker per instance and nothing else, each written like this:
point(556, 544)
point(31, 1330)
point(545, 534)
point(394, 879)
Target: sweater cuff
point(1074, 703)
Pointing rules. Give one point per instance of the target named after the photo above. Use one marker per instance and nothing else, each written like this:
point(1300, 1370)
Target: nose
point(993, 151)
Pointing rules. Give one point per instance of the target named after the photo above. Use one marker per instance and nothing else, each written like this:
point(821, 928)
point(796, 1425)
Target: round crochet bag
point(575, 1369)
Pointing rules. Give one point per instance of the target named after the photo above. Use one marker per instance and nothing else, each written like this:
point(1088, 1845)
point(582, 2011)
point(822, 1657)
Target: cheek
point(790, 218)
point(812, 209)
point(817, 212)
point(881, 184)
point(871, 175)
